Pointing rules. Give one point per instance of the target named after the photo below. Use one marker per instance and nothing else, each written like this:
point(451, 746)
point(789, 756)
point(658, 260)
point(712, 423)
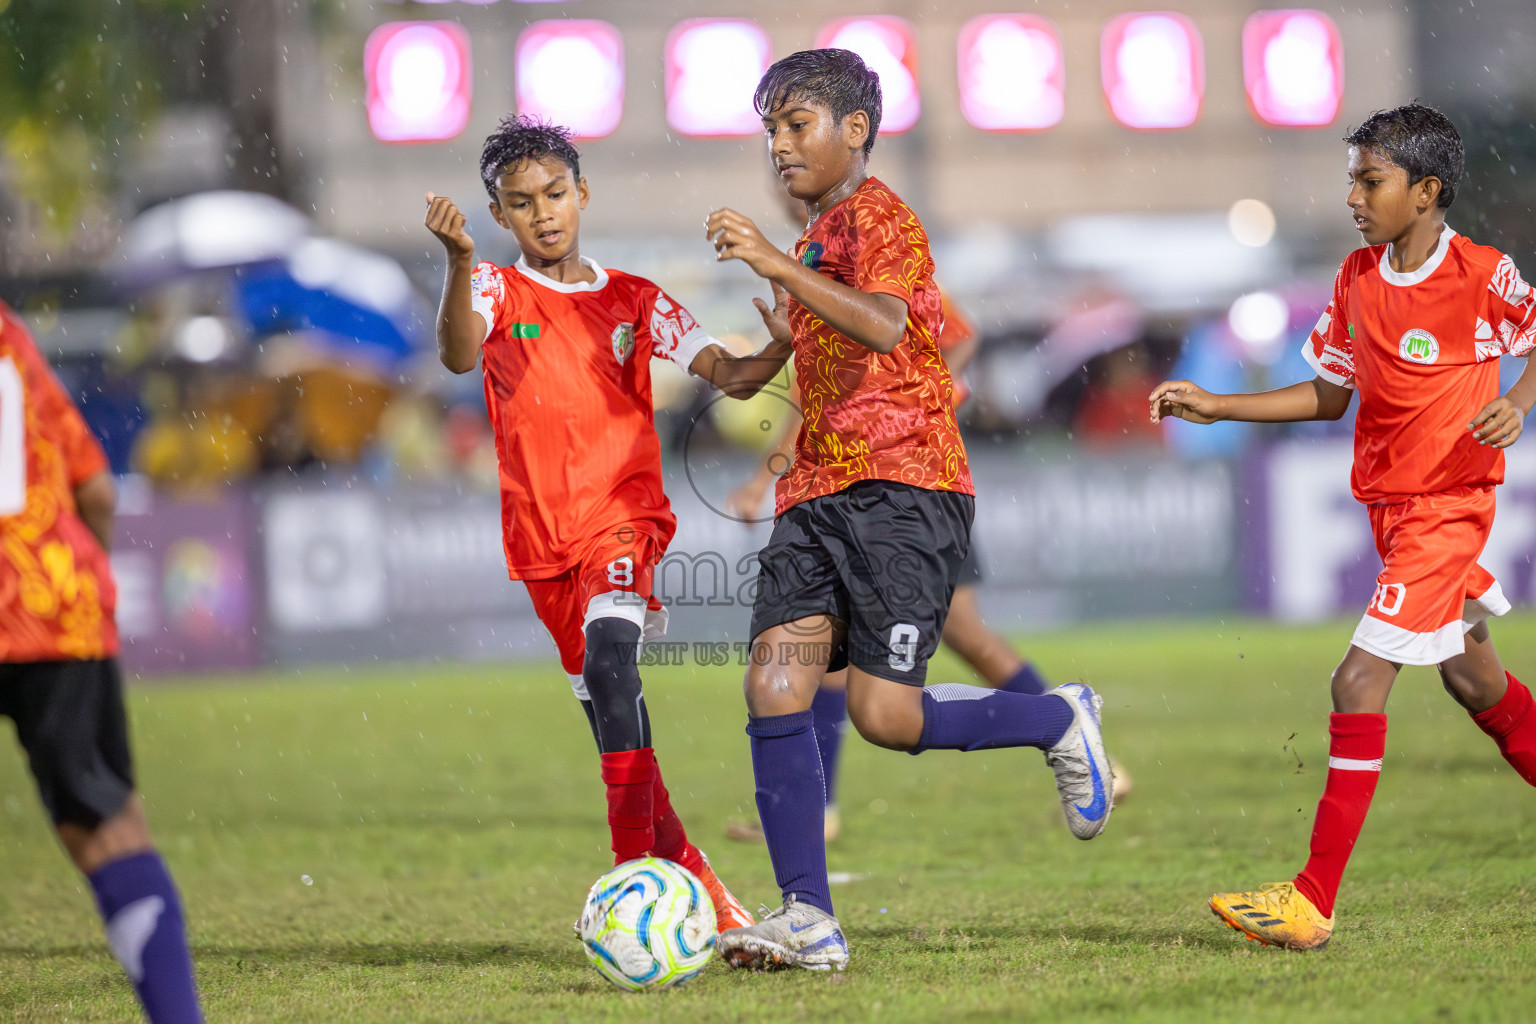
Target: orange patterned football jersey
point(56, 593)
point(870, 416)
point(957, 331)
point(1423, 349)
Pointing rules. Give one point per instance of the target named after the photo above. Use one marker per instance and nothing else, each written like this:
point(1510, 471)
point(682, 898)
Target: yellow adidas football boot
point(1275, 915)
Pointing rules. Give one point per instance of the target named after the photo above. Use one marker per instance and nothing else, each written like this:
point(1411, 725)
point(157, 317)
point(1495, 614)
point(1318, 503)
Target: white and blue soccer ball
point(647, 924)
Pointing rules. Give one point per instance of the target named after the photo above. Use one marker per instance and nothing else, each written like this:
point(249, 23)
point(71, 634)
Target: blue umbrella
point(352, 302)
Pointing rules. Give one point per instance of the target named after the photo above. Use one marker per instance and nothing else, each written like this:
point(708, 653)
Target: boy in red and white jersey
point(1418, 321)
point(566, 348)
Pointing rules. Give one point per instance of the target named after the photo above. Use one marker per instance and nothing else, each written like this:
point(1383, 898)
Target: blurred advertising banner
point(1060, 539)
point(356, 574)
point(338, 571)
point(186, 596)
point(1311, 554)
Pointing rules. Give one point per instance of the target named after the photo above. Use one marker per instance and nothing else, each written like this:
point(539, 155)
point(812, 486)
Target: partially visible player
point(966, 633)
point(1418, 321)
point(567, 349)
point(874, 514)
point(59, 678)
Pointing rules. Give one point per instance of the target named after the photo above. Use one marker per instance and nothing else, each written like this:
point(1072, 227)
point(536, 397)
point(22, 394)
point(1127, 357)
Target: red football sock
point(671, 838)
point(630, 776)
point(1513, 727)
point(1355, 748)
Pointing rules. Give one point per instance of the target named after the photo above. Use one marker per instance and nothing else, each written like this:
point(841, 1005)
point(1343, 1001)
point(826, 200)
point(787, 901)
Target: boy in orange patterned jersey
point(1418, 321)
point(873, 514)
point(59, 680)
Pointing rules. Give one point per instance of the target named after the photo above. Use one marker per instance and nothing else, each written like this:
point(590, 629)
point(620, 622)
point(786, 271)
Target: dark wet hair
point(1420, 140)
point(837, 79)
point(518, 138)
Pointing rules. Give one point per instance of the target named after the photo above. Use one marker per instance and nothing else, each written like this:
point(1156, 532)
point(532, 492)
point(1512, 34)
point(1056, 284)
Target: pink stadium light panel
point(887, 45)
point(1012, 76)
point(1293, 68)
point(1154, 70)
point(572, 73)
point(713, 65)
point(418, 76)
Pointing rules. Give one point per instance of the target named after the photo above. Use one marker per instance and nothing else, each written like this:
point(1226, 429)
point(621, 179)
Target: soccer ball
point(648, 924)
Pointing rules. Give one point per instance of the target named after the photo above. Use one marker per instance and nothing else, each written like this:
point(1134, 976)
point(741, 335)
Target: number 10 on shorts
point(1388, 599)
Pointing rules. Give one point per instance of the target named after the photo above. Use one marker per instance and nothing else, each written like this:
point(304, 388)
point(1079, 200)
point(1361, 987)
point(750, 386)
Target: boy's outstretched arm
point(460, 330)
point(876, 321)
point(1315, 399)
point(744, 376)
point(1502, 420)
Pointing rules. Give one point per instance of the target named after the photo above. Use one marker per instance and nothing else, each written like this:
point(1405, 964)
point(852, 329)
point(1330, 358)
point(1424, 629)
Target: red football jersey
point(1423, 351)
point(870, 416)
point(57, 597)
point(568, 385)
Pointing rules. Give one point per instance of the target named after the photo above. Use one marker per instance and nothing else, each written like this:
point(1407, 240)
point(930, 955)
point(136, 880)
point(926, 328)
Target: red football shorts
point(1431, 590)
point(613, 577)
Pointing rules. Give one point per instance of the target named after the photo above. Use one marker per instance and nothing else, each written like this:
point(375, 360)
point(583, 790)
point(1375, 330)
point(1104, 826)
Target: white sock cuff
point(1355, 764)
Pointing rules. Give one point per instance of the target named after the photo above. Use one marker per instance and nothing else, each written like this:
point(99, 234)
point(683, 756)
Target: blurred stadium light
point(419, 81)
point(572, 73)
point(1259, 320)
point(1012, 75)
point(713, 65)
point(1252, 222)
point(888, 46)
point(1154, 70)
point(1293, 68)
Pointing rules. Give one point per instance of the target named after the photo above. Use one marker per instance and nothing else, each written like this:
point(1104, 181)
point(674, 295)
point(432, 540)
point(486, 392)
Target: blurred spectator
point(1113, 410)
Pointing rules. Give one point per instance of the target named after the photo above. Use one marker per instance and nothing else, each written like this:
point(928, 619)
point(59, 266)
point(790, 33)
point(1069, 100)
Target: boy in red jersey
point(59, 679)
point(874, 513)
point(566, 349)
point(1418, 321)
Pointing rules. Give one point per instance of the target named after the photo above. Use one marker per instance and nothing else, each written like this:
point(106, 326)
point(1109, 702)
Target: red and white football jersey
point(1423, 351)
point(568, 385)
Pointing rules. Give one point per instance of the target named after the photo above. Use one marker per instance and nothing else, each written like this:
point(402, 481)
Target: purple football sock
point(142, 912)
point(830, 707)
point(1026, 680)
point(961, 717)
point(791, 801)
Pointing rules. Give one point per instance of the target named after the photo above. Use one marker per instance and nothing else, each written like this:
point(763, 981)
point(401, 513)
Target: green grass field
point(406, 843)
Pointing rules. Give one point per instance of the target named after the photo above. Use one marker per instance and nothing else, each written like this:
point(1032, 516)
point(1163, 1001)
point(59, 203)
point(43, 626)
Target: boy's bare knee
point(884, 725)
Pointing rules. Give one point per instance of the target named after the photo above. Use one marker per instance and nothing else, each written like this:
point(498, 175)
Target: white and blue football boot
point(795, 935)
point(1084, 778)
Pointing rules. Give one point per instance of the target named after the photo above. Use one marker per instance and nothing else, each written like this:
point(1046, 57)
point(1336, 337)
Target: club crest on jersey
point(623, 341)
point(811, 257)
point(1419, 346)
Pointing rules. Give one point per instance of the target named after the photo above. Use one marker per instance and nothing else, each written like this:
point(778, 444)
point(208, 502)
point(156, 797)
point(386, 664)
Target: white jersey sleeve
point(1517, 327)
point(675, 334)
point(487, 293)
point(1329, 348)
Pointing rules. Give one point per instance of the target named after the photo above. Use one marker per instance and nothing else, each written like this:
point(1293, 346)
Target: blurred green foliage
point(77, 81)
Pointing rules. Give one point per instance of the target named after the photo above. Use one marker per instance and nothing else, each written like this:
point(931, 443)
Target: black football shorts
point(70, 719)
point(970, 569)
point(882, 558)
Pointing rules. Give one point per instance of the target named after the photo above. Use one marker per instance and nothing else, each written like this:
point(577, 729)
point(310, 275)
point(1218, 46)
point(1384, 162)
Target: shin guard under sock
point(630, 777)
point(1356, 745)
point(1512, 724)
